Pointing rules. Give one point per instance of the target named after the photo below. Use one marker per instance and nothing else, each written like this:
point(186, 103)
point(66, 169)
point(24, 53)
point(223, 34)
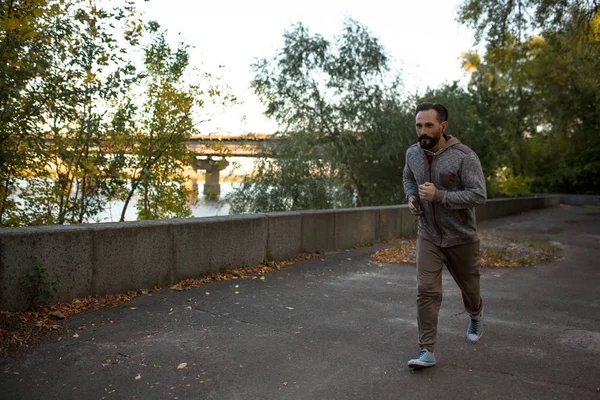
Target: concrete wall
point(580, 200)
point(117, 257)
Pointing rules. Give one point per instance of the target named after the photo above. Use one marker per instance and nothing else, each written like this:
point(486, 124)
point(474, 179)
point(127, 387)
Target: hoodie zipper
point(432, 203)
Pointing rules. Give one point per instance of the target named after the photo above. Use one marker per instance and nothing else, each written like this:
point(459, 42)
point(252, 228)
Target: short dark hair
point(442, 112)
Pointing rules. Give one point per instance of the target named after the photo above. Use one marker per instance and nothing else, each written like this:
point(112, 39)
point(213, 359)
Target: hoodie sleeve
point(474, 192)
point(408, 180)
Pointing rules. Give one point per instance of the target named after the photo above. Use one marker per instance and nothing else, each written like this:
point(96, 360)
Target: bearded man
point(443, 182)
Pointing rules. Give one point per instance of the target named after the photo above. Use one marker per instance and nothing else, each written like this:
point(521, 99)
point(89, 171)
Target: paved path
point(340, 327)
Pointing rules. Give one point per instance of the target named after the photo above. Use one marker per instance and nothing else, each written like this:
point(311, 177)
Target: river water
point(202, 207)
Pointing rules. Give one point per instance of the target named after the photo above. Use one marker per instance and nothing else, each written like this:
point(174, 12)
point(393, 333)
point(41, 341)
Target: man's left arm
point(473, 181)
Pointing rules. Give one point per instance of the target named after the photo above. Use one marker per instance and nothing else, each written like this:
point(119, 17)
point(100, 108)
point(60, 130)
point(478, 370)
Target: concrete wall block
point(513, 206)
point(207, 245)
point(410, 223)
point(539, 202)
point(481, 213)
point(131, 255)
point(65, 251)
point(504, 207)
point(495, 208)
point(117, 257)
point(579, 199)
point(356, 226)
point(284, 235)
point(520, 205)
point(390, 222)
point(487, 210)
point(517, 206)
point(318, 231)
point(528, 204)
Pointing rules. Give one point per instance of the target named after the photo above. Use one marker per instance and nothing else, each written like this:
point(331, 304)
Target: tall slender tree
point(343, 126)
point(167, 118)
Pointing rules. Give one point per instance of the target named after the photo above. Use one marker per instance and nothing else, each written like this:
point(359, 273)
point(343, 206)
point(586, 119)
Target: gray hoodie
point(456, 173)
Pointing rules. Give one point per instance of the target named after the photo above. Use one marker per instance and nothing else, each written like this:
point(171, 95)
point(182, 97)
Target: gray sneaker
point(424, 359)
point(475, 328)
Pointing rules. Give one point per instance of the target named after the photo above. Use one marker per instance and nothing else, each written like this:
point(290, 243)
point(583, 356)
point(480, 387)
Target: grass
point(591, 206)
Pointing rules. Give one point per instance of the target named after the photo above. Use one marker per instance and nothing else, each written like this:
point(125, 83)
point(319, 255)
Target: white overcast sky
point(423, 38)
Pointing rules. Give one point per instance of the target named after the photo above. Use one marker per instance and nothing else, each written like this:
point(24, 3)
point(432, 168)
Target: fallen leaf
point(262, 278)
point(380, 265)
point(133, 308)
point(138, 376)
point(57, 314)
point(182, 366)
point(76, 335)
point(389, 283)
point(290, 308)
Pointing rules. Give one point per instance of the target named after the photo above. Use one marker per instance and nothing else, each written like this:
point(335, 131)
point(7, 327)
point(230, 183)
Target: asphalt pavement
point(340, 327)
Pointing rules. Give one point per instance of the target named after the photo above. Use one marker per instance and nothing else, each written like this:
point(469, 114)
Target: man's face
point(429, 130)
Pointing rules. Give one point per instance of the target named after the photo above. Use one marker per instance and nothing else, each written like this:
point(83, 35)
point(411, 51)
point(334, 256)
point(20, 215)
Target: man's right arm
point(411, 189)
point(408, 180)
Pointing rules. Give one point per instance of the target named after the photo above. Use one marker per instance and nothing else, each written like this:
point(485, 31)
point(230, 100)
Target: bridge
point(213, 145)
point(212, 149)
point(227, 145)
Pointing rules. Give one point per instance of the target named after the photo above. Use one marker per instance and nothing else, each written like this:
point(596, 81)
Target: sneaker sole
point(419, 366)
point(474, 341)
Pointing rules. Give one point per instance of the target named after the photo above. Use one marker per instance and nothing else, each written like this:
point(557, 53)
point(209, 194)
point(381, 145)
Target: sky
point(233, 33)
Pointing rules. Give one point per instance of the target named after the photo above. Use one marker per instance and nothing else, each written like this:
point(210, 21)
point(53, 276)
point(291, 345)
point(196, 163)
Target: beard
point(428, 142)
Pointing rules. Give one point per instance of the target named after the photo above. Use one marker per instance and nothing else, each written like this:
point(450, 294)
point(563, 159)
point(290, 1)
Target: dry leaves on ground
point(400, 251)
point(495, 251)
point(240, 273)
point(22, 330)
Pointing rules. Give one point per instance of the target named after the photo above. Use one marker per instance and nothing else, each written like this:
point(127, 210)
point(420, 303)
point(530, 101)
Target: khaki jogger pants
point(463, 263)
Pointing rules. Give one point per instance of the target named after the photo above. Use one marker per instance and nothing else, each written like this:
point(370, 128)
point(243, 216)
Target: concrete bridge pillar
point(212, 185)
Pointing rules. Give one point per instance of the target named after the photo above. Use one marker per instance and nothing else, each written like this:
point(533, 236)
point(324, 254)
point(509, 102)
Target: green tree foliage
point(469, 116)
point(344, 125)
point(83, 70)
point(25, 31)
point(157, 132)
point(92, 71)
point(95, 106)
point(542, 89)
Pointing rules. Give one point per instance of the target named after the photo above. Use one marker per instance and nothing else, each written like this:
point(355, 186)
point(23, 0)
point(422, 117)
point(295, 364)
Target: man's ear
point(444, 126)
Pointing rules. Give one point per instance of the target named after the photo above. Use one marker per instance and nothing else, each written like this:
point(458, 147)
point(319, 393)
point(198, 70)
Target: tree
point(92, 112)
point(542, 73)
point(25, 55)
point(344, 128)
point(85, 71)
point(467, 111)
point(156, 137)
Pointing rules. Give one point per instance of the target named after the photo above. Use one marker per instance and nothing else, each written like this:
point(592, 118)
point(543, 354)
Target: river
point(203, 207)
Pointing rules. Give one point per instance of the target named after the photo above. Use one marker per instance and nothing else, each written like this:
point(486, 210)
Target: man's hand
point(414, 206)
point(427, 191)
